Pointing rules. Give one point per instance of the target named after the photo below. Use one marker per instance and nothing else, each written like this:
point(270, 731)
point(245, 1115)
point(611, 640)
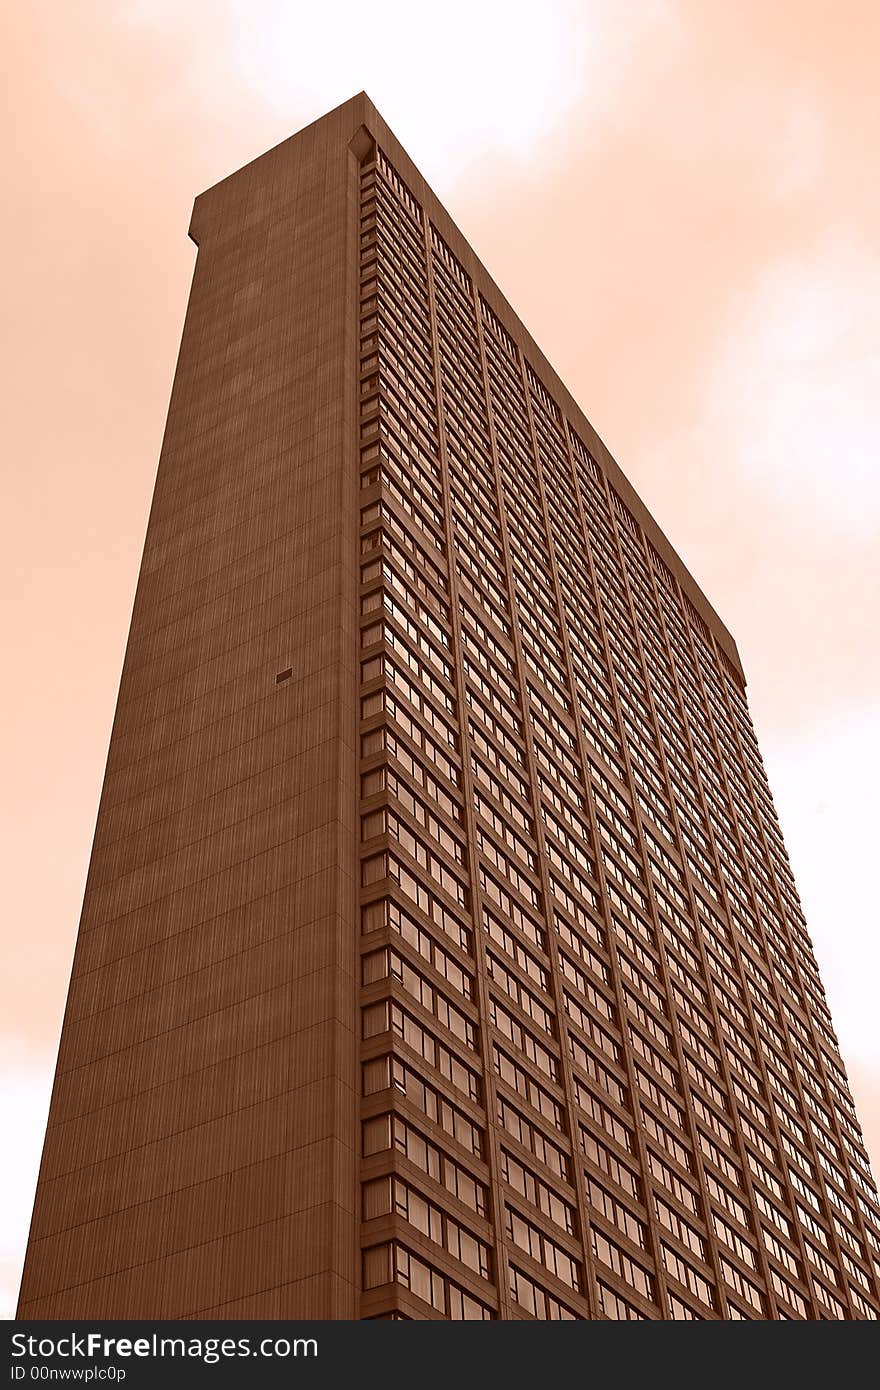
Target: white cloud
point(798, 386)
point(461, 84)
point(824, 781)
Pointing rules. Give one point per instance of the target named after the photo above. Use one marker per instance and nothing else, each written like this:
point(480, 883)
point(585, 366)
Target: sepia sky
point(680, 199)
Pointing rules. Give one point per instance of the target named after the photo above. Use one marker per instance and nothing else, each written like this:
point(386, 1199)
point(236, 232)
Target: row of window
point(605, 655)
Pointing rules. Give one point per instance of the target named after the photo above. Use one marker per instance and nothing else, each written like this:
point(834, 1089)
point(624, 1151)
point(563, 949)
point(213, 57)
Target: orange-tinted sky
point(680, 199)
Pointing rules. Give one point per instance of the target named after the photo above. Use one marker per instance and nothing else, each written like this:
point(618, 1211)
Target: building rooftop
point(227, 207)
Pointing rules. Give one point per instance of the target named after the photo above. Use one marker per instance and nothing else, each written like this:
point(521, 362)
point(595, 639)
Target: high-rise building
point(440, 955)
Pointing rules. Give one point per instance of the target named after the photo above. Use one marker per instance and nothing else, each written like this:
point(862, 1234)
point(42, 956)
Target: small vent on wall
point(362, 145)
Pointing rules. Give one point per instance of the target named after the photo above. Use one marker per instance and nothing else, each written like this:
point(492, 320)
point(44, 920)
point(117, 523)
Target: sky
point(680, 199)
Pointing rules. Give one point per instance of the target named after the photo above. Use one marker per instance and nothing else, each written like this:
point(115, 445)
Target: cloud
point(824, 780)
point(467, 85)
point(797, 383)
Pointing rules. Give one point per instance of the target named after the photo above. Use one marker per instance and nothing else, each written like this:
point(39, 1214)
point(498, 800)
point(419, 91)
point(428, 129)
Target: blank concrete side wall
point(199, 1156)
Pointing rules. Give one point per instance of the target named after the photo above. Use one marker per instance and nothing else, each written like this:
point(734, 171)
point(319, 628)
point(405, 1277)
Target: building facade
point(440, 955)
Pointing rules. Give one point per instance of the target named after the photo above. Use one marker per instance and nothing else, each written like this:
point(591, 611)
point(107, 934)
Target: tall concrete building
point(440, 955)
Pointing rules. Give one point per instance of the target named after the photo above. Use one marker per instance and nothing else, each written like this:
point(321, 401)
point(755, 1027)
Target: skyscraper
point(440, 956)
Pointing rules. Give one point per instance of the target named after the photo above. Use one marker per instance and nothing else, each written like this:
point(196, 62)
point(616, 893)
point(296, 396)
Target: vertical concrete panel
point(199, 1155)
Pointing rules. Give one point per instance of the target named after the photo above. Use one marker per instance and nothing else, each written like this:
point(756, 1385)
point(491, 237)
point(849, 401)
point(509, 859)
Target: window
point(530, 1238)
point(383, 1264)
